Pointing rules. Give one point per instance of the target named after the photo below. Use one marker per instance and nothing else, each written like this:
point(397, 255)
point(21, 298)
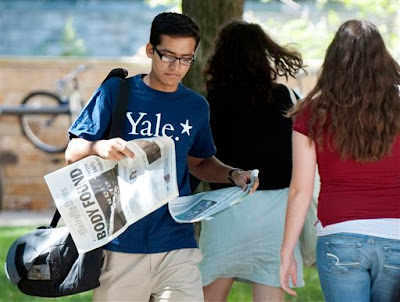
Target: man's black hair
point(174, 25)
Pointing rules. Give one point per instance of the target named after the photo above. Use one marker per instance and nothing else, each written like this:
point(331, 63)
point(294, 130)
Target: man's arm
point(213, 170)
point(113, 149)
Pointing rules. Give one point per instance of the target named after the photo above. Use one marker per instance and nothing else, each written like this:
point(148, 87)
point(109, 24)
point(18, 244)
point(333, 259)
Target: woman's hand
point(287, 272)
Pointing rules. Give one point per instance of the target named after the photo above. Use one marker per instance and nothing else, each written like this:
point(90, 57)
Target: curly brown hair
point(356, 98)
point(244, 56)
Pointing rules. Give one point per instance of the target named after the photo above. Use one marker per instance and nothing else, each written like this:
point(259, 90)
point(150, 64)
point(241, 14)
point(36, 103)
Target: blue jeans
point(359, 268)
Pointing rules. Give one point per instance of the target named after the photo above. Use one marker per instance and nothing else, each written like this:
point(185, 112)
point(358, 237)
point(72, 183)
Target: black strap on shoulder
point(117, 120)
point(121, 106)
point(116, 72)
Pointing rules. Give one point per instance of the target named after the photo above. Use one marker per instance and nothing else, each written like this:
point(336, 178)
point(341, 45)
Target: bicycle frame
point(21, 110)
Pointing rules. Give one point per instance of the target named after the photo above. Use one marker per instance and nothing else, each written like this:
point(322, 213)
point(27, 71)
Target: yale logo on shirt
point(148, 129)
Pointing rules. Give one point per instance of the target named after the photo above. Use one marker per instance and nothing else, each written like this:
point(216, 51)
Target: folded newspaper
point(203, 206)
point(98, 199)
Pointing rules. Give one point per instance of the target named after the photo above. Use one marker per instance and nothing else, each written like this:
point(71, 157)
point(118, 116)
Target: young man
point(155, 258)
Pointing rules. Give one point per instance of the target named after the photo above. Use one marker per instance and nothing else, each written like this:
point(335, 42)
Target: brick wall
point(22, 166)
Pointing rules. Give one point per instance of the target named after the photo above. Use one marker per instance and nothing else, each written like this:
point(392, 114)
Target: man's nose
point(175, 65)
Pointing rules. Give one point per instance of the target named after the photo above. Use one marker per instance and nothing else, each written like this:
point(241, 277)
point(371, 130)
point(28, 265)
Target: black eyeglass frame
point(161, 55)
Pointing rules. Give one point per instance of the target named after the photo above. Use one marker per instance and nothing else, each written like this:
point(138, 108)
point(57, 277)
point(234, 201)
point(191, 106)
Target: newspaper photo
point(203, 206)
point(98, 199)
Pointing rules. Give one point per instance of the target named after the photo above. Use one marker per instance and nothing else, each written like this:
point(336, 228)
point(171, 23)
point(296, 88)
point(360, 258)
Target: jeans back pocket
point(391, 264)
point(343, 257)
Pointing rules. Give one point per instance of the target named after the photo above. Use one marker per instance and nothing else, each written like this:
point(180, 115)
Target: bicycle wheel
point(46, 131)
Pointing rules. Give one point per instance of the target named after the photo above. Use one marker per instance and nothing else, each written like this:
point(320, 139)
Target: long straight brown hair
point(356, 98)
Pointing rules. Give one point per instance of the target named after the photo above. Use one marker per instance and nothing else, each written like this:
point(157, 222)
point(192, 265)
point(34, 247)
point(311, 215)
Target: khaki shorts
point(170, 276)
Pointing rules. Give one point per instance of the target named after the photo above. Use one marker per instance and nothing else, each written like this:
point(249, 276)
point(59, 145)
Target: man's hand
point(242, 178)
point(113, 149)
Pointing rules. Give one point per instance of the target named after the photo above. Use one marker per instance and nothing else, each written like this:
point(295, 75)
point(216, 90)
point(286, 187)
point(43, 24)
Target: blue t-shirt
point(182, 115)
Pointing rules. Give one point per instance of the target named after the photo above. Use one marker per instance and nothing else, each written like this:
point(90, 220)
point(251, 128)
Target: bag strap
point(117, 121)
point(292, 96)
point(121, 106)
point(56, 218)
point(116, 72)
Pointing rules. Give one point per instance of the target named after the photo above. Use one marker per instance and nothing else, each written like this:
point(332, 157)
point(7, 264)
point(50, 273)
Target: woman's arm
point(299, 200)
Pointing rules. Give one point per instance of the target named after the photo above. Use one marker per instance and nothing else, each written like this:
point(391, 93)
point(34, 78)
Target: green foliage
point(381, 7)
point(72, 45)
point(384, 14)
point(310, 38)
point(311, 25)
point(154, 3)
point(175, 3)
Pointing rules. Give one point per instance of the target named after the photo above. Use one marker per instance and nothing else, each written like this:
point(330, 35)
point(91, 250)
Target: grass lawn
point(241, 292)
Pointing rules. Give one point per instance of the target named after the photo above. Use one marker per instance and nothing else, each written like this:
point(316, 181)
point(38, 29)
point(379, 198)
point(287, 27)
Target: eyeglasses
point(172, 59)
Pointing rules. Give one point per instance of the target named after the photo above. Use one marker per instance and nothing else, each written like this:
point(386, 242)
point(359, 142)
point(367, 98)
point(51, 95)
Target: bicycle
point(43, 111)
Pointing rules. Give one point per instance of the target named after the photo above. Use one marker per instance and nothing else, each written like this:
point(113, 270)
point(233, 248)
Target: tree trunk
point(209, 15)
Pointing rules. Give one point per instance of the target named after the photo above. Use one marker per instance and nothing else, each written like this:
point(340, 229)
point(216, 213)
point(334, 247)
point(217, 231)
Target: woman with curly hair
point(247, 110)
point(350, 125)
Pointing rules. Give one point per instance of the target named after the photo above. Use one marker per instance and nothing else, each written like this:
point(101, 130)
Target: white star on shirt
point(186, 127)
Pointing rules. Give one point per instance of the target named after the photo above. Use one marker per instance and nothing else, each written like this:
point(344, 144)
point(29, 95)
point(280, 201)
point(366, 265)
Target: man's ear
point(149, 50)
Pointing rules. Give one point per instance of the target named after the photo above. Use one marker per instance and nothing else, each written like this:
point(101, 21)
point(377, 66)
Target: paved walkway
point(26, 218)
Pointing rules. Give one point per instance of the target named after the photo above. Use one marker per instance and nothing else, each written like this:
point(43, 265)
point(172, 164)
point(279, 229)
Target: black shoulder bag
point(45, 262)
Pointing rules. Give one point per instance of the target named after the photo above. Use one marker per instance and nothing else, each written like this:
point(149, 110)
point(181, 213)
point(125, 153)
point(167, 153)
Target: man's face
point(166, 76)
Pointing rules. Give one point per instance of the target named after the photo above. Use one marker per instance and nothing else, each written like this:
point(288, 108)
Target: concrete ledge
point(27, 218)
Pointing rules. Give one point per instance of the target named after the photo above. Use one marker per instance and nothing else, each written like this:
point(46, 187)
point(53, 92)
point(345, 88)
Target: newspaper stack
point(98, 199)
point(205, 205)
